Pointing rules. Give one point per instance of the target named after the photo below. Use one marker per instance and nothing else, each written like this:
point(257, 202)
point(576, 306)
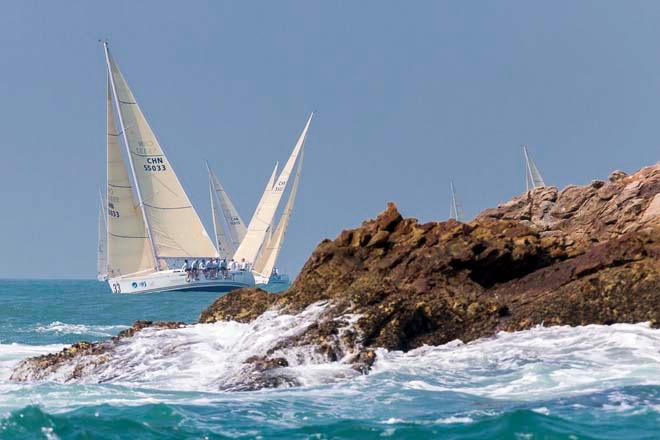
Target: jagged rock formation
point(584, 255)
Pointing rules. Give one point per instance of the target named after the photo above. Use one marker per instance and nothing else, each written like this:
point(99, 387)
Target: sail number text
point(155, 164)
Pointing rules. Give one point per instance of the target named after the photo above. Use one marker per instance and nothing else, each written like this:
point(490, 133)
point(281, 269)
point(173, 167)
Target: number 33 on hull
point(170, 280)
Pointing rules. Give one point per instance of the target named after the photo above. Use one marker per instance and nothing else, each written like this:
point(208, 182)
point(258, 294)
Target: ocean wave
point(536, 364)
point(164, 421)
point(62, 328)
point(533, 365)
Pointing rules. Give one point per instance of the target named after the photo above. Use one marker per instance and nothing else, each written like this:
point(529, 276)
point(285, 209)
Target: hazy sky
point(408, 95)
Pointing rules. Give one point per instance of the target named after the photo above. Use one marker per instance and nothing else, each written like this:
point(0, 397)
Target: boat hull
point(273, 284)
point(177, 280)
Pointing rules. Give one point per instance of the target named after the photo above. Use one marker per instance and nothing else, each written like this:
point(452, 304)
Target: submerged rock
point(583, 255)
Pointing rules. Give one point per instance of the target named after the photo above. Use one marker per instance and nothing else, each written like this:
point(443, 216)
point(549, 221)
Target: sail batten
point(173, 226)
point(263, 216)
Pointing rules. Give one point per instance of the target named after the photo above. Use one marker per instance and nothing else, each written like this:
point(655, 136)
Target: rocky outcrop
point(72, 362)
point(583, 255)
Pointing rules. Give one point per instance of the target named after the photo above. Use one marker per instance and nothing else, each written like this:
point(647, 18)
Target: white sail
point(533, 177)
point(172, 223)
point(267, 207)
point(102, 262)
point(129, 250)
point(235, 224)
point(455, 210)
point(222, 241)
point(268, 258)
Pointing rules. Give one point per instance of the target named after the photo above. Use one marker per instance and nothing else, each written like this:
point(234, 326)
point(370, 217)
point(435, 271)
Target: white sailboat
point(533, 177)
point(262, 220)
point(149, 238)
point(260, 243)
point(264, 268)
point(455, 209)
point(227, 222)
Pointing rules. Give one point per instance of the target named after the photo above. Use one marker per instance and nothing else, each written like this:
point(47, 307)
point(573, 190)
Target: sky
point(408, 95)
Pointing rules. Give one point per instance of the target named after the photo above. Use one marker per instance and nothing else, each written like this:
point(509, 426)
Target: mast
point(130, 158)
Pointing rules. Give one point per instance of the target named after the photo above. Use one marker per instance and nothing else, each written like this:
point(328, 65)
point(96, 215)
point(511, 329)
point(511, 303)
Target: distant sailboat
point(265, 264)
point(455, 209)
point(255, 242)
point(533, 177)
point(148, 238)
point(227, 222)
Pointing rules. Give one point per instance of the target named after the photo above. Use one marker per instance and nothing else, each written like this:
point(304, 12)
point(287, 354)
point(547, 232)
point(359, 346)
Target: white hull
point(273, 284)
point(169, 280)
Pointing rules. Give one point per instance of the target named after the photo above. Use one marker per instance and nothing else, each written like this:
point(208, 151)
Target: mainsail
point(268, 257)
point(455, 210)
point(226, 210)
point(263, 216)
point(102, 262)
point(128, 246)
point(533, 177)
point(172, 224)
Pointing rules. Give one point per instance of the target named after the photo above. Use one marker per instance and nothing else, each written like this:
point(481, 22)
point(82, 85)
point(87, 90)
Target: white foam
point(61, 328)
point(536, 364)
point(206, 357)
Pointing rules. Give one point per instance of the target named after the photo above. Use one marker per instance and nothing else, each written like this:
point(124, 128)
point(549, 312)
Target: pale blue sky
point(408, 95)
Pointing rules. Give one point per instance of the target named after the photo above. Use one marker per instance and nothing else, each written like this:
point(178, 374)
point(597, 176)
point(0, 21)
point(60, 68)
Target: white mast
point(130, 158)
point(455, 210)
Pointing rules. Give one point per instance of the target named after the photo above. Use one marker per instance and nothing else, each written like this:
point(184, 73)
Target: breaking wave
point(62, 328)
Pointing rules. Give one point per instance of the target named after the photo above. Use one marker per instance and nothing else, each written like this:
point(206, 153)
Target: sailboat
point(152, 227)
point(455, 209)
point(260, 243)
point(533, 177)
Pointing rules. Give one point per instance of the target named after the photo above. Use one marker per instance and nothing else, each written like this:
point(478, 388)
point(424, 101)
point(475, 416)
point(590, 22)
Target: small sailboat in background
point(455, 208)
point(533, 177)
point(149, 238)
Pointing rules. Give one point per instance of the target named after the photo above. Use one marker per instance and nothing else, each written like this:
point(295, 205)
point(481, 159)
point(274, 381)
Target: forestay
point(263, 216)
point(175, 227)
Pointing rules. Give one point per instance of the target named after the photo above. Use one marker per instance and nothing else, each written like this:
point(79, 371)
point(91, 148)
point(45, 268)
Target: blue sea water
point(593, 382)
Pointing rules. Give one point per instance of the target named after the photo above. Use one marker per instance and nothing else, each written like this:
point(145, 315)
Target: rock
point(81, 356)
point(583, 255)
point(597, 184)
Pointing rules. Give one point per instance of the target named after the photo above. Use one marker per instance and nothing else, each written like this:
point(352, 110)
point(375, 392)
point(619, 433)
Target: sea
point(592, 382)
